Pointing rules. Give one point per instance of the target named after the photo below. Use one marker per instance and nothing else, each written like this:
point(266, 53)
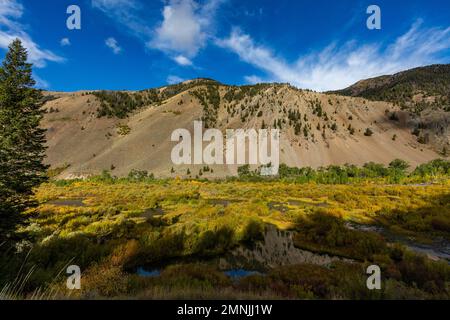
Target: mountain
point(124, 130)
point(415, 90)
point(424, 92)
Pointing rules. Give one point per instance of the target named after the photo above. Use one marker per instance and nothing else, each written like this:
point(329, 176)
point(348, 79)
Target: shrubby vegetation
point(209, 99)
point(182, 227)
point(396, 172)
point(327, 233)
point(239, 93)
point(120, 104)
point(123, 129)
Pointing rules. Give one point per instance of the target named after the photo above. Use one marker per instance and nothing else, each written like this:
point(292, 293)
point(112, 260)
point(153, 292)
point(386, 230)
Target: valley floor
point(235, 239)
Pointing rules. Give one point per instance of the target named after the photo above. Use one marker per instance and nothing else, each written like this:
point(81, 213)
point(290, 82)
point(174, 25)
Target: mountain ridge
point(424, 92)
point(92, 131)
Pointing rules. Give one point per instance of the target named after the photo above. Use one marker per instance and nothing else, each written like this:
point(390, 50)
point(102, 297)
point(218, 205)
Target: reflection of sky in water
point(235, 273)
point(144, 273)
point(240, 273)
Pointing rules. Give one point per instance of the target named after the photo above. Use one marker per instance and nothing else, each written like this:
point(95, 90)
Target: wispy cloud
point(10, 28)
point(263, 58)
point(126, 13)
point(253, 79)
point(113, 45)
point(41, 83)
point(174, 79)
point(338, 66)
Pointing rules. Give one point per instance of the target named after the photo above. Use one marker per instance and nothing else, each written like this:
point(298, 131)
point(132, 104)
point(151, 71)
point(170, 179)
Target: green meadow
point(181, 231)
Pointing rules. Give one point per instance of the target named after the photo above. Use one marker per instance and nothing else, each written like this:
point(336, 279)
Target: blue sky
point(137, 44)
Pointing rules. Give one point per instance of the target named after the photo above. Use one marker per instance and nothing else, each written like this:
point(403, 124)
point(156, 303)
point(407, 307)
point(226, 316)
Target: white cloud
point(41, 83)
point(174, 79)
point(10, 28)
point(181, 29)
point(185, 28)
point(182, 60)
point(65, 42)
point(253, 79)
point(113, 45)
point(259, 56)
point(336, 67)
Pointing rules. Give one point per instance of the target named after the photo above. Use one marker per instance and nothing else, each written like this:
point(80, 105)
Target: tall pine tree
point(22, 141)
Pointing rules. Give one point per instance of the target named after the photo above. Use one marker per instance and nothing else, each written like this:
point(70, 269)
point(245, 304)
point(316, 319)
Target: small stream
point(439, 249)
point(241, 273)
point(277, 249)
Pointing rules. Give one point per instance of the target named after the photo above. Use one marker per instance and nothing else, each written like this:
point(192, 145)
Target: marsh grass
point(18, 288)
point(194, 222)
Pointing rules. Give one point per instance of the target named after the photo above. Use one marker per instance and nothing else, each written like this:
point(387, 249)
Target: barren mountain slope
point(424, 92)
point(316, 129)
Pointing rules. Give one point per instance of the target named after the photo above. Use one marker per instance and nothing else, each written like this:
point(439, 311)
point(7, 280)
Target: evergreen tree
point(22, 141)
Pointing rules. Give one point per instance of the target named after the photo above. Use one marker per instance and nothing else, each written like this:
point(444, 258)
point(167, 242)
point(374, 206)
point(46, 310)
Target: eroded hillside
point(423, 92)
point(89, 132)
